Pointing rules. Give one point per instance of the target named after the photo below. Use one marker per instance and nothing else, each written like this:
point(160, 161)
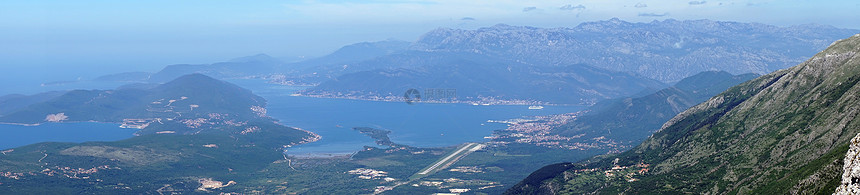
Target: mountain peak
point(813, 26)
point(501, 26)
point(703, 78)
point(847, 45)
point(613, 22)
point(506, 27)
point(196, 77)
point(667, 50)
point(368, 50)
point(190, 80)
point(256, 58)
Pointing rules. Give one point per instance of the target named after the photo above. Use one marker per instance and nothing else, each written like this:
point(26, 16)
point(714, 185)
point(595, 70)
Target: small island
point(380, 135)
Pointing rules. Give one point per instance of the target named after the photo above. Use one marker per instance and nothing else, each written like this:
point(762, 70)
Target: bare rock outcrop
point(851, 169)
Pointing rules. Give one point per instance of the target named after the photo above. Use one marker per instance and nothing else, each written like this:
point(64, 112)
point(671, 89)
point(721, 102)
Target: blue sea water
point(17, 135)
point(421, 124)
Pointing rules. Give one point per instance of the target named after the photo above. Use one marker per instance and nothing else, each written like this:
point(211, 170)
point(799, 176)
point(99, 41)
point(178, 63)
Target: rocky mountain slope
point(666, 50)
point(784, 132)
point(630, 120)
point(851, 169)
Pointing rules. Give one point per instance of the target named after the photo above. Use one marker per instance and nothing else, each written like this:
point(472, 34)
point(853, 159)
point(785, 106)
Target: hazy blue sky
point(97, 37)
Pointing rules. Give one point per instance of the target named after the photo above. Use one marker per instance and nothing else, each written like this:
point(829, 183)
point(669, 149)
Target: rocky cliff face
point(851, 169)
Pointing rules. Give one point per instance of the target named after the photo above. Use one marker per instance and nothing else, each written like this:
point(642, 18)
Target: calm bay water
point(421, 124)
point(17, 135)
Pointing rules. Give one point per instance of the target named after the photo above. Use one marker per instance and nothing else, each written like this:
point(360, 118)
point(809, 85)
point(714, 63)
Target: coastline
point(487, 137)
point(313, 138)
point(22, 134)
point(90, 121)
point(21, 124)
point(490, 102)
point(484, 101)
point(328, 155)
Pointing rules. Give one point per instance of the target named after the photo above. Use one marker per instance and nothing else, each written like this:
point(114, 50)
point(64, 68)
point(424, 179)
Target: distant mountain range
point(348, 54)
point(474, 76)
point(248, 66)
point(317, 70)
point(782, 133)
point(666, 51)
point(663, 50)
point(265, 66)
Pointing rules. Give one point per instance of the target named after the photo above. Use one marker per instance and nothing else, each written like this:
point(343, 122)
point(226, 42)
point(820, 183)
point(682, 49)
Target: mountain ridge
point(688, 46)
point(784, 132)
point(475, 77)
point(629, 120)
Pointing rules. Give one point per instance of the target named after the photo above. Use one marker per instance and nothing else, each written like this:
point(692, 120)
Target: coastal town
point(537, 130)
point(67, 172)
point(480, 100)
point(282, 79)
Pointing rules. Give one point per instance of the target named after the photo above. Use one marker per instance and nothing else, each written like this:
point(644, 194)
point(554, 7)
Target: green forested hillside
point(785, 132)
point(189, 96)
point(631, 120)
point(195, 132)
